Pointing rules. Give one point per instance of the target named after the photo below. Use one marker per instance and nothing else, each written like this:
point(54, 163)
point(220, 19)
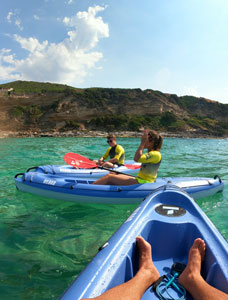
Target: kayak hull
point(81, 190)
point(170, 220)
point(69, 171)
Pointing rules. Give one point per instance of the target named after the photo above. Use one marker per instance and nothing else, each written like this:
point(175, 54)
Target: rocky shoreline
point(90, 133)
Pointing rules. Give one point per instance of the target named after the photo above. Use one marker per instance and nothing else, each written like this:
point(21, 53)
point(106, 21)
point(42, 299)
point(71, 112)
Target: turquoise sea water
point(45, 243)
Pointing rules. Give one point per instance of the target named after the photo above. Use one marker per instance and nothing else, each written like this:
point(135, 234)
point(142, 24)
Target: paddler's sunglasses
point(109, 141)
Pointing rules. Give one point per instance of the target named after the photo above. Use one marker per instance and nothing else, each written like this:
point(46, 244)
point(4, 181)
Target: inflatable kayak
point(170, 220)
point(130, 167)
point(82, 190)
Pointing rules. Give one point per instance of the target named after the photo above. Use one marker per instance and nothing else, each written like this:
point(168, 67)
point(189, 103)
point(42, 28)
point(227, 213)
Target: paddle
point(80, 161)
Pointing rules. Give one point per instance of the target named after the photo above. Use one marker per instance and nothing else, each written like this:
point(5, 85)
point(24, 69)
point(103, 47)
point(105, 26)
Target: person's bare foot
point(146, 265)
point(193, 268)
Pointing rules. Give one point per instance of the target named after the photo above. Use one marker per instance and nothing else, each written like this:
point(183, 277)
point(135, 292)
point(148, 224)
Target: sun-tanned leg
point(116, 179)
point(145, 277)
point(107, 164)
point(192, 280)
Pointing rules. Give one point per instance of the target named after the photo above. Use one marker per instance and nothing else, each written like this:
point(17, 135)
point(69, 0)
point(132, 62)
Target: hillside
point(55, 109)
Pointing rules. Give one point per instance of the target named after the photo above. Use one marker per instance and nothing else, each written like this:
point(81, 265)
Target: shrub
point(72, 124)
point(167, 118)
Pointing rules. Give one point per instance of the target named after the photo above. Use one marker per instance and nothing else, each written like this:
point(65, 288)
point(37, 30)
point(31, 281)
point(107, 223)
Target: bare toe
point(195, 258)
point(199, 245)
point(146, 264)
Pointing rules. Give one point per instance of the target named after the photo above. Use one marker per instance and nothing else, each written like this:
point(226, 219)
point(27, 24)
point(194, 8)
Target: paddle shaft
point(104, 168)
point(107, 169)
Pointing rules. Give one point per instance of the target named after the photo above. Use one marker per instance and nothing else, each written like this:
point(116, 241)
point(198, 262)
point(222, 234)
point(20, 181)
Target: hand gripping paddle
point(79, 161)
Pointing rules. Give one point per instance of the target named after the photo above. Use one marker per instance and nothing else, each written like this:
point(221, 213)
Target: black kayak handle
point(217, 176)
point(18, 174)
point(32, 168)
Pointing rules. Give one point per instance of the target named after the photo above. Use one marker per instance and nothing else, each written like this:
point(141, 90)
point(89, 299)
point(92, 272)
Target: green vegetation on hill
point(134, 123)
point(191, 104)
point(33, 87)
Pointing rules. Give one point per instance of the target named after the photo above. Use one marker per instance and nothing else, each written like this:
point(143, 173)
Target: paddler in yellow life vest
point(151, 161)
point(115, 152)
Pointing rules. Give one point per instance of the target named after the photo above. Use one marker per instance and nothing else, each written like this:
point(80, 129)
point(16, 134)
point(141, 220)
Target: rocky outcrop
point(81, 110)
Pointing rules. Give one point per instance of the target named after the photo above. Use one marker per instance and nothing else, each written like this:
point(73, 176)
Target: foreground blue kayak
point(170, 220)
point(81, 190)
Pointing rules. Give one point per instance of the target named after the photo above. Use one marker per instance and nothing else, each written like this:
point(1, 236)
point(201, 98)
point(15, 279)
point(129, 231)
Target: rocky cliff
point(40, 108)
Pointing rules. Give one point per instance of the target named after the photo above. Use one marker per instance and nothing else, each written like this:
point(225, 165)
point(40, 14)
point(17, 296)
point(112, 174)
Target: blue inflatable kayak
point(170, 220)
point(82, 190)
point(130, 167)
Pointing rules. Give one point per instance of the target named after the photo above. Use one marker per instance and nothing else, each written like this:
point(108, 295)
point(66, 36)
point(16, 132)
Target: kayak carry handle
point(18, 175)
point(103, 246)
point(219, 178)
point(29, 169)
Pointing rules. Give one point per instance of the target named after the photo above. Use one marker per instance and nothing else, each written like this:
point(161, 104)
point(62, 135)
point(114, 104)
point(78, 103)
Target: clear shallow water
point(45, 242)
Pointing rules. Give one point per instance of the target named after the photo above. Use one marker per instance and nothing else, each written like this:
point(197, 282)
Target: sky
point(174, 46)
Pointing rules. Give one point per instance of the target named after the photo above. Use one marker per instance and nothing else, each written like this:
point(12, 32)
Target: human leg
point(107, 164)
point(192, 280)
point(145, 277)
point(116, 179)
